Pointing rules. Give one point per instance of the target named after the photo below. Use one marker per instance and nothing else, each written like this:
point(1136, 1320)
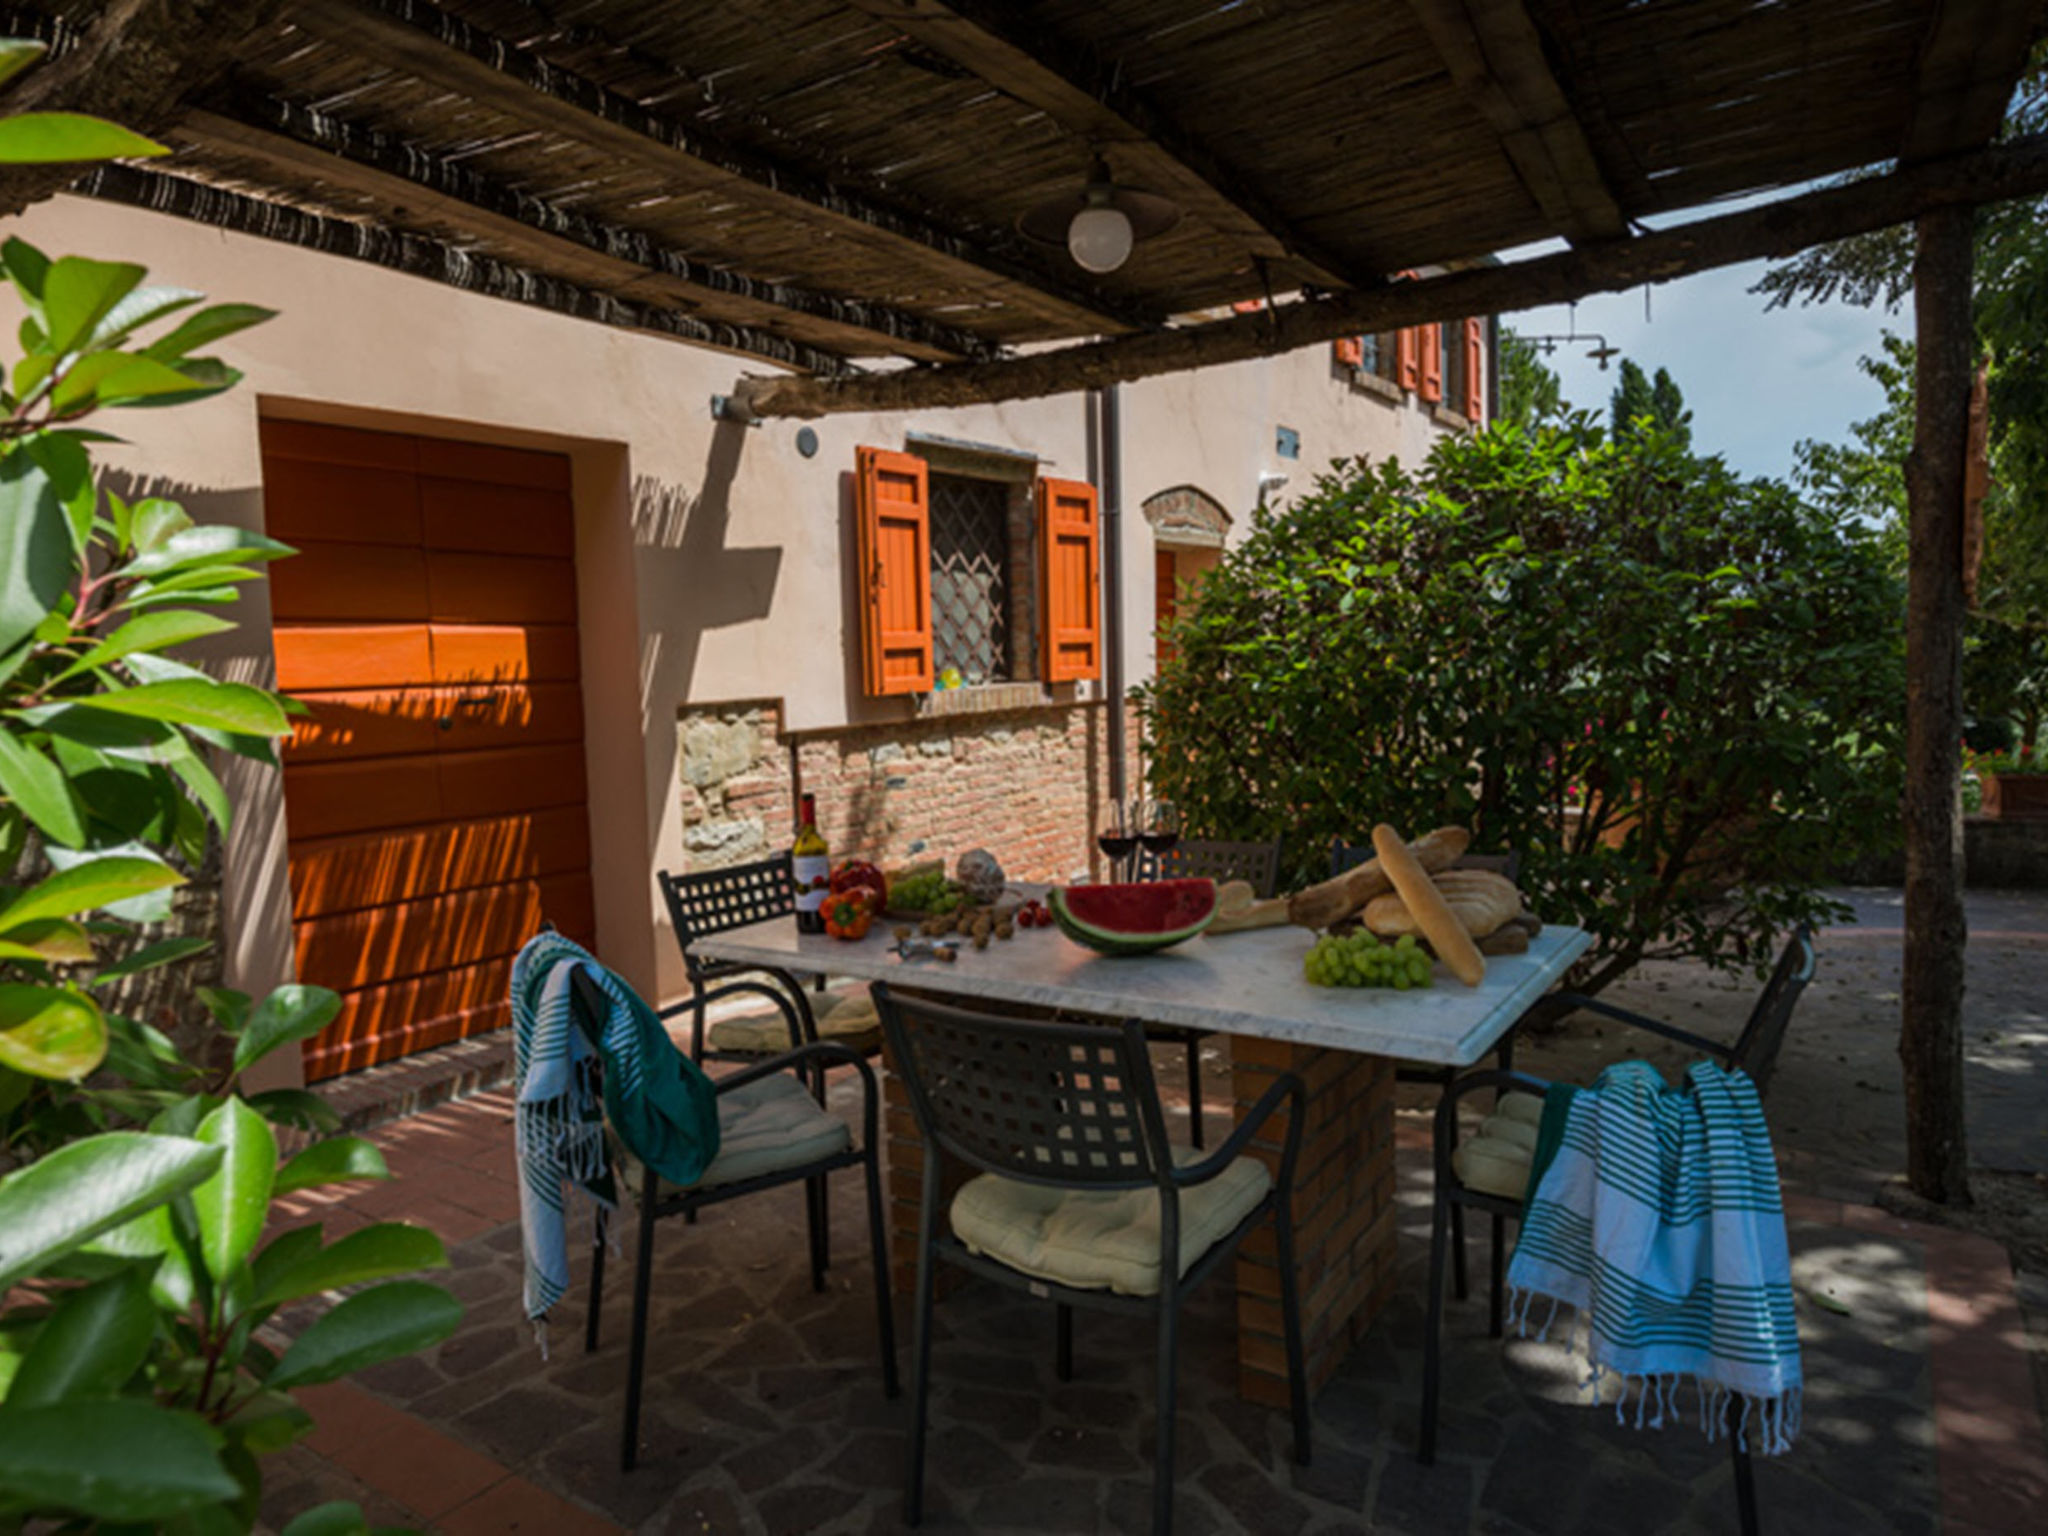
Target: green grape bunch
point(1360, 960)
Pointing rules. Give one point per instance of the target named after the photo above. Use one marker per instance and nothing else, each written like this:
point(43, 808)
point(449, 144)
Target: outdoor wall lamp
point(1100, 223)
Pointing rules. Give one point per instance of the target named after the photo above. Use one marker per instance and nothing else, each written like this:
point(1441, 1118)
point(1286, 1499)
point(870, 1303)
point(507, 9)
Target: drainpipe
point(1113, 584)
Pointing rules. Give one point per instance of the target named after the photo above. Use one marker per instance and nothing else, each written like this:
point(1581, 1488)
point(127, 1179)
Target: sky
point(1755, 382)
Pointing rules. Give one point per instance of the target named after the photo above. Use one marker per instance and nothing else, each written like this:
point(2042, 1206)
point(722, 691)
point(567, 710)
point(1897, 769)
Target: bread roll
point(1446, 935)
point(1481, 900)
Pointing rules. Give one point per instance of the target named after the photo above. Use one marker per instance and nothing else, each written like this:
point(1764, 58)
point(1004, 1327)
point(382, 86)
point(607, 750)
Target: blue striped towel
point(659, 1102)
point(1657, 1216)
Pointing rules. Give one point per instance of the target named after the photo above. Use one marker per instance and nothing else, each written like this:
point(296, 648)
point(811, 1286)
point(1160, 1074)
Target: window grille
point(970, 529)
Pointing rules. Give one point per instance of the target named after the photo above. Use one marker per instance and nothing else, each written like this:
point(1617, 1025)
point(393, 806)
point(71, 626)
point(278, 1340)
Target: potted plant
point(2014, 784)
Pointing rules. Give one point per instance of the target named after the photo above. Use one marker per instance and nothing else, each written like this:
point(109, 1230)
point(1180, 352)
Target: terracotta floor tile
point(422, 1468)
point(453, 1223)
point(517, 1505)
point(345, 1417)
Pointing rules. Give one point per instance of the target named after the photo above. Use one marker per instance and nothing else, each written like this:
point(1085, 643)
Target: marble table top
point(1246, 983)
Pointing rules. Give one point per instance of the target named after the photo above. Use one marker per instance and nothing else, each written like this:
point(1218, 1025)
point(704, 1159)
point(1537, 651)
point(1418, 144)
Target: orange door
point(434, 796)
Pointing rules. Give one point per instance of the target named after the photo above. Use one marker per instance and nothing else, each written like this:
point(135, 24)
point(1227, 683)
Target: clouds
point(1755, 381)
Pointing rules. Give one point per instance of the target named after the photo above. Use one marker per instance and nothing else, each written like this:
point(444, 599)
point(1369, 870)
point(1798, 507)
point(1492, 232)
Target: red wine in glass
point(1117, 846)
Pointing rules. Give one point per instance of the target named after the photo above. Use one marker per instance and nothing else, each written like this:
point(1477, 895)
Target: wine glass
point(1117, 835)
point(1160, 829)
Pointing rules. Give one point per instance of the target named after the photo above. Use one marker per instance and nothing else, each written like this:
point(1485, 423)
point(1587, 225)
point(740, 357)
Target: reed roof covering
point(827, 183)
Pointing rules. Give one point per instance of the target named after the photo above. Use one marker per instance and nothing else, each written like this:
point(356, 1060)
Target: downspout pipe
point(1113, 584)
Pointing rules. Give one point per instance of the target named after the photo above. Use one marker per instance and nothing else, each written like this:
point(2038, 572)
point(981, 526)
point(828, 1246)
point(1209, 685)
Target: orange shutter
point(1350, 351)
point(894, 507)
point(1475, 370)
point(1070, 556)
point(1408, 357)
point(1432, 363)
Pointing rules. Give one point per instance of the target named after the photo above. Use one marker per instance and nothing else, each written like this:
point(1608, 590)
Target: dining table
point(1247, 986)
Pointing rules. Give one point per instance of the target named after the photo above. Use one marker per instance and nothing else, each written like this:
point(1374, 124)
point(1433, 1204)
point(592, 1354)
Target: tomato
point(859, 875)
point(849, 915)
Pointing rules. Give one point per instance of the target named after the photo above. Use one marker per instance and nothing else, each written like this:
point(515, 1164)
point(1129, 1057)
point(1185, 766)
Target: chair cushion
point(848, 1017)
point(763, 1127)
point(1101, 1240)
point(1496, 1160)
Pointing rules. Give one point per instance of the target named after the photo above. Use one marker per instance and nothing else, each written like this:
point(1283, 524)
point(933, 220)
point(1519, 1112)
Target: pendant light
point(1100, 223)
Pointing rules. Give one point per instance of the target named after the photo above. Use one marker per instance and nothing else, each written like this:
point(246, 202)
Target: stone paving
point(765, 1413)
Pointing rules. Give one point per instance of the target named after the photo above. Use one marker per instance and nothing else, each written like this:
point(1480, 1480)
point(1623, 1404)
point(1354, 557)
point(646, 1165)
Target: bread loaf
point(1238, 908)
point(1338, 897)
point(1481, 900)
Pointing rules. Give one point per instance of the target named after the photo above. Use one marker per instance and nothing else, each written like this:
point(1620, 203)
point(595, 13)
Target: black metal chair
point(1490, 1172)
point(1059, 1115)
point(717, 900)
point(772, 1133)
point(1258, 865)
point(1345, 856)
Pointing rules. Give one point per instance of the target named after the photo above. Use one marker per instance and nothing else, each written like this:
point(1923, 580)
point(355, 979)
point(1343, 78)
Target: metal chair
point(717, 900)
point(1345, 856)
point(1060, 1116)
point(772, 1134)
point(1495, 1188)
point(1258, 865)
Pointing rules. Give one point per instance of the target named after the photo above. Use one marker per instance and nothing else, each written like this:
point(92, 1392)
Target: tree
point(1637, 400)
point(1672, 690)
point(1530, 391)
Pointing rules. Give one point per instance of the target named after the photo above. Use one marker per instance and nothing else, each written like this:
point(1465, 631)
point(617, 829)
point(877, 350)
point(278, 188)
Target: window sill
point(1373, 384)
point(981, 699)
point(1444, 416)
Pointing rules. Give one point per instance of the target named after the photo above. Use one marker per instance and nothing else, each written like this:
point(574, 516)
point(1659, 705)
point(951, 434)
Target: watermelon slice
point(1133, 919)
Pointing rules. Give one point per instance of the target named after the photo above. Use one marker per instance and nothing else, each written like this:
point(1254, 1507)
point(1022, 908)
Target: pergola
point(830, 189)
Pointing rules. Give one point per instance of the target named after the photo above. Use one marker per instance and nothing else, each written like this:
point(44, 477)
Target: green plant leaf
point(70, 1196)
point(379, 1324)
point(151, 632)
point(154, 1236)
point(291, 1012)
point(150, 956)
point(156, 520)
point(50, 1032)
point(94, 1341)
point(336, 1161)
point(206, 327)
point(55, 940)
point(204, 787)
point(37, 560)
point(140, 308)
point(17, 53)
point(279, 1256)
point(234, 1203)
point(115, 378)
point(122, 1459)
point(64, 459)
point(48, 138)
point(144, 907)
point(339, 1518)
point(224, 706)
point(29, 268)
point(296, 1107)
point(36, 784)
point(78, 293)
point(373, 1253)
point(268, 1422)
point(98, 883)
point(218, 543)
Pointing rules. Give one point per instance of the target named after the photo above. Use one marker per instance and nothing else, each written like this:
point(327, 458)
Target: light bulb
point(1099, 239)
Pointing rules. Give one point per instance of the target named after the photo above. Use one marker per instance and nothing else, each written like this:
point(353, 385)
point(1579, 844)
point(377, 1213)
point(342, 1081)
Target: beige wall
point(710, 561)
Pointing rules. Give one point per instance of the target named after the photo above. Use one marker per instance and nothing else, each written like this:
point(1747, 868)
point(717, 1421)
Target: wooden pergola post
point(1931, 1026)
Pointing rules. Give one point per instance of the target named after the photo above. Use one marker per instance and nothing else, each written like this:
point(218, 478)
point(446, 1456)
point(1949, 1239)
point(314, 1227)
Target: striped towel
point(659, 1102)
point(1656, 1214)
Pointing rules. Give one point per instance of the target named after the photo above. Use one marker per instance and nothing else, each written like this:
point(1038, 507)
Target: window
point(995, 576)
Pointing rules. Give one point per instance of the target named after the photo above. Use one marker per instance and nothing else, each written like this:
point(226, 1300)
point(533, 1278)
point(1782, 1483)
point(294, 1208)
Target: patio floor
point(765, 1413)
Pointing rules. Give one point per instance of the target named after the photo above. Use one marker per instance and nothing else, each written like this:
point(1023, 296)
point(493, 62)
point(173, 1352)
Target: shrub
point(1677, 692)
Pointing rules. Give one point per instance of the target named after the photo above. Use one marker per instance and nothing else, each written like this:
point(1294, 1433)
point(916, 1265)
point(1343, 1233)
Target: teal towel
point(660, 1104)
point(1658, 1217)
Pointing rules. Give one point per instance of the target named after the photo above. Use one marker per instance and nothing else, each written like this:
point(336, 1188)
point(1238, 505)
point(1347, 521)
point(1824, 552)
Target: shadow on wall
point(689, 580)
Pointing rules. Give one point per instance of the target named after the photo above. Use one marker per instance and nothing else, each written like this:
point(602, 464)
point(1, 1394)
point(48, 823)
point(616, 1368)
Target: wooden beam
point(1495, 54)
point(133, 64)
point(437, 261)
point(1931, 984)
point(415, 38)
point(2019, 169)
point(1087, 96)
point(1969, 63)
point(298, 143)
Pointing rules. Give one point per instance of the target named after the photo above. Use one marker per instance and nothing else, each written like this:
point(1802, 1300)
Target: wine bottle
point(810, 869)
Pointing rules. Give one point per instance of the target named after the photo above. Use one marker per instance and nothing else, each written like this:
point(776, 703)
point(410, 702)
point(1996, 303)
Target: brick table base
point(1343, 1208)
point(1343, 1211)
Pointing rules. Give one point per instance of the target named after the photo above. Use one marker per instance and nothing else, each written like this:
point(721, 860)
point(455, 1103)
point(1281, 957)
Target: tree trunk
point(1931, 1031)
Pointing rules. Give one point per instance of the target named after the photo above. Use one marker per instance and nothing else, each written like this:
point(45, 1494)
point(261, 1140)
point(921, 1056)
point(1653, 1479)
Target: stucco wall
point(710, 556)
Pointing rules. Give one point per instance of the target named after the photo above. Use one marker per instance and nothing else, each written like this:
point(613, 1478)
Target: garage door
point(434, 796)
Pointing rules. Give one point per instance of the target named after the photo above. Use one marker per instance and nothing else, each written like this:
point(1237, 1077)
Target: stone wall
point(733, 774)
point(1997, 855)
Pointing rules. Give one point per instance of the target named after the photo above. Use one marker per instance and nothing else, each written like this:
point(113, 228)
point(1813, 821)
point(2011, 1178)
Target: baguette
point(1446, 935)
point(1237, 908)
point(1337, 898)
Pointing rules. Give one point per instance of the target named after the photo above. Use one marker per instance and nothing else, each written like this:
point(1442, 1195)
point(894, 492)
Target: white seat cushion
point(763, 1127)
point(1107, 1240)
point(1496, 1160)
point(848, 1017)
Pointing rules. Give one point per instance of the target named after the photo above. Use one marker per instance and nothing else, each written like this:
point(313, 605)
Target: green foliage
point(1675, 691)
point(136, 1185)
point(1640, 403)
point(1531, 394)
